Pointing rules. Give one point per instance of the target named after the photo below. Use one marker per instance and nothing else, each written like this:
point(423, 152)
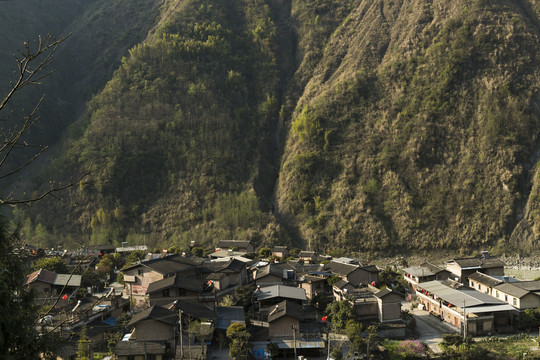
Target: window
point(506, 298)
point(140, 272)
point(515, 301)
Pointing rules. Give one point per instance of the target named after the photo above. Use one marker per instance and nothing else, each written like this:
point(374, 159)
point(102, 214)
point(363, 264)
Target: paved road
point(430, 329)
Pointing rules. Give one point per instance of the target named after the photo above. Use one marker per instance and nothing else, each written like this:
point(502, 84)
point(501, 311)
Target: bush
point(411, 349)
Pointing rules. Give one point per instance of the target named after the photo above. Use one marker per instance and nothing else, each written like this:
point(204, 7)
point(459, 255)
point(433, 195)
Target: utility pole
point(294, 341)
point(181, 335)
point(464, 321)
point(328, 340)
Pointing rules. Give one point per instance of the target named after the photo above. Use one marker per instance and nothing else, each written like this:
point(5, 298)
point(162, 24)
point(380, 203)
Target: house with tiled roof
point(172, 288)
point(244, 246)
point(520, 294)
point(287, 316)
point(235, 271)
point(274, 274)
point(389, 305)
point(47, 284)
point(342, 290)
point(424, 272)
point(280, 251)
point(485, 283)
point(139, 276)
point(353, 273)
point(314, 285)
point(460, 269)
point(461, 306)
point(152, 331)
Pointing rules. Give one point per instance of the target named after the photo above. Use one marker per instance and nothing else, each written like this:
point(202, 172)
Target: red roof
point(42, 275)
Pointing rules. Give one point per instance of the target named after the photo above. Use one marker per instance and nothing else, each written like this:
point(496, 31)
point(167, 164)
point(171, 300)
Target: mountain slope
point(415, 126)
point(384, 125)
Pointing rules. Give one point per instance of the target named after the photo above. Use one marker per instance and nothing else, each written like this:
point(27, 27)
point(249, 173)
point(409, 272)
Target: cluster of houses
point(180, 304)
point(473, 294)
point(280, 302)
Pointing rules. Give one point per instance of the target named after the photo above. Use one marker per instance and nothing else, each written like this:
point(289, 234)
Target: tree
point(337, 353)
point(54, 264)
point(243, 295)
point(265, 252)
point(239, 337)
point(33, 65)
point(135, 256)
point(20, 336)
point(19, 316)
point(354, 330)
point(200, 331)
point(83, 346)
point(339, 312)
point(18, 319)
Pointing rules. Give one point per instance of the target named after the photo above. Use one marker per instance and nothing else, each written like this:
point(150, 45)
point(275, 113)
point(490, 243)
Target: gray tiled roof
point(342, 283)
point(229, 266)
point(469, 298)
point(176, 281)
point(519, 288)
point(340, 268)
point(511, 289)
point(418, 271)
point(383, 293)
point(272, 269)
point(193, 310)
point(157, 313)
point(434, 268)
point(281, 291)
point(370, 268)
point(169, 264)
point(478, 263)
point(286, 308)
point(67, 279)
point(484, 279)
point(231, 243)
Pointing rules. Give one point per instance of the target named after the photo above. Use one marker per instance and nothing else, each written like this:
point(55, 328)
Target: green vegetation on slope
point(410, 133)
point(403, 124)
point(173, 133)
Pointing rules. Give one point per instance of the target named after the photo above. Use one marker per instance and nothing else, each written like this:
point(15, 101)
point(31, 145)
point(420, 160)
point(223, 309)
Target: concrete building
point(478, 313)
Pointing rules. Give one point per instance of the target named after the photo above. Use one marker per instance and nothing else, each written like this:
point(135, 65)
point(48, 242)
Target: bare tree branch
point(33, 65)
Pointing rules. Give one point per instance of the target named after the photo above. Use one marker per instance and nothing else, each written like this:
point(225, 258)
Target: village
point(236, 301)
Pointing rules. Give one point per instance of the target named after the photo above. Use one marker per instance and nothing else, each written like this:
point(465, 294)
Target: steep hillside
point(367, 125)
point(101, 33)
point(416, 127)
point(174, 134)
